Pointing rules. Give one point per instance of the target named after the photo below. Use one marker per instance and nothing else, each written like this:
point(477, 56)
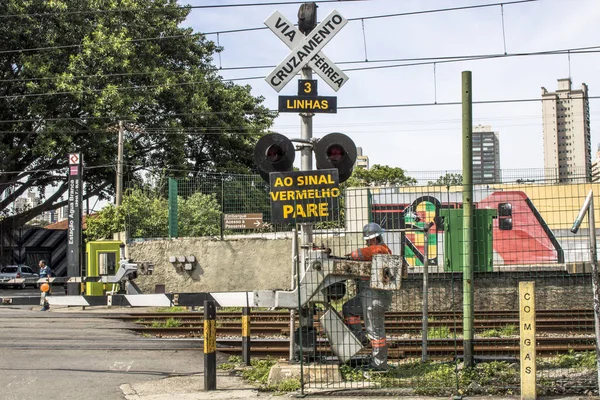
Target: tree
point(379, 175)
point(447, 180)
point(68, 78)
point(199, 215)
point(146, 215)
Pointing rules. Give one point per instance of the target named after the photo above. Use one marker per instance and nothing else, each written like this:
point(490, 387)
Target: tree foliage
point(68, 78)
point(379, 175)
point(447, 180)
point(145, 215)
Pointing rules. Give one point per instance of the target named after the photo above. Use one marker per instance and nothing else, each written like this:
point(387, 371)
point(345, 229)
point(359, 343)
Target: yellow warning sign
point(304, 196)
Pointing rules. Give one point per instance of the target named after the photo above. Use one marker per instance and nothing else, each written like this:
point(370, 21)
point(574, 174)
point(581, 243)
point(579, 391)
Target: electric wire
point(185, 7)
point(586, 50)
point(355, 107)
point(431, 60)
point(134, 40)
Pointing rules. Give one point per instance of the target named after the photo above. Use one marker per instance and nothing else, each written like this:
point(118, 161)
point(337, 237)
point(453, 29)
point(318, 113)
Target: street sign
point(243, 221)
point(306, 50)
point(307, 100)
point(74, 230)
point(304, 196)
point(319, 104)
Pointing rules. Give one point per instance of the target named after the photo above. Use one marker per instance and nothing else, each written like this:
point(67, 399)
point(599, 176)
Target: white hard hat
point(371, 231)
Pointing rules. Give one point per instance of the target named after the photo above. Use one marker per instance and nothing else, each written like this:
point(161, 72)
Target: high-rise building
point(567, 139)
point(362, 161)
point(486, 155)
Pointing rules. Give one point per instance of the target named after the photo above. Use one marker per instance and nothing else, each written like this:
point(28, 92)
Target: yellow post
point(527, 335)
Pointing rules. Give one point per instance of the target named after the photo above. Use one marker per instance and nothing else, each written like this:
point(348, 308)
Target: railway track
point(272, 323)
point(571, 330)
point(284, 315)
point(411, 348)
point(274, 328)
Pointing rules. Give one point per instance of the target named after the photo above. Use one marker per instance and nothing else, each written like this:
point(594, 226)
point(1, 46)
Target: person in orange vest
point(369, 303)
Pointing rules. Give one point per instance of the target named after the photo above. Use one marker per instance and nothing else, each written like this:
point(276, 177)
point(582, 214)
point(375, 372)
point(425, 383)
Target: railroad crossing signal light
point(307, 17)
point(274, 153)
point(336, 150)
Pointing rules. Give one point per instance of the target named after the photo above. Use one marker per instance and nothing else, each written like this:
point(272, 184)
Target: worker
point(370, 303)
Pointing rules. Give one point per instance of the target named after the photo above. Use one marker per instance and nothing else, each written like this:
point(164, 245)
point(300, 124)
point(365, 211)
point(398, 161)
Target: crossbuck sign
point(306, 50)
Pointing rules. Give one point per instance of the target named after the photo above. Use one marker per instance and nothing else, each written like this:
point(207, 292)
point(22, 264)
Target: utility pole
point(467, 197)
point(306, 160)
point(119, 194)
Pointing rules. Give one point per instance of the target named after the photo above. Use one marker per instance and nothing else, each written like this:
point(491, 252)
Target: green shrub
point(259, 371)
point(439, 332)
point(171, 309)
point(286, 385)
point(168, 323)
point(586, 359)
point(350, 374)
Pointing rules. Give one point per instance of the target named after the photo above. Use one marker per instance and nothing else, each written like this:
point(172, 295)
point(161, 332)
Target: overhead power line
point(63, 168)
point(582, 50)
point(158, 10)
point(134, 40)
point(182, 130)
point(414, 61)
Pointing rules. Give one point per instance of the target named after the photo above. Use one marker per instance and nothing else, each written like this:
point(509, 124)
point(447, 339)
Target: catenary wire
point(428, 121)
point(431, 60)
point(373, 106)
point(419, 12)
point(157, 10)
point(476, 58)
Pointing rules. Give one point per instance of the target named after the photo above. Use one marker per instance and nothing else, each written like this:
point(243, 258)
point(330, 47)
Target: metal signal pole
point(306, 133)
point(467, 197)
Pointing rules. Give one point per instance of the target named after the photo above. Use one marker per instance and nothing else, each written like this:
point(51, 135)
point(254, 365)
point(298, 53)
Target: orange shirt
point(367, 253)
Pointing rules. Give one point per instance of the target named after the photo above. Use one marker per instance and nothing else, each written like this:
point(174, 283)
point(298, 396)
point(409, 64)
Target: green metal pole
point(467, 144)
point(173, 221)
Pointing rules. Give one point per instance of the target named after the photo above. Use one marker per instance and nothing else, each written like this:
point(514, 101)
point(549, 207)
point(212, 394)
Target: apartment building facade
point(567, 138)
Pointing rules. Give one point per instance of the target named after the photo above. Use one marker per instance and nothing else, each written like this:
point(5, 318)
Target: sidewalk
point(233, 388)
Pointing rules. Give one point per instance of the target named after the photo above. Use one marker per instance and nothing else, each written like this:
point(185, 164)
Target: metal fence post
point(424, 356)
point(222, 207)
point(173, 219)
point(588, 205)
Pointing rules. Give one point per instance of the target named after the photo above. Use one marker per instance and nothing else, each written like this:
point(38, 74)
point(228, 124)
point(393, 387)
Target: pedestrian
point(45, 271)
point(369, 303)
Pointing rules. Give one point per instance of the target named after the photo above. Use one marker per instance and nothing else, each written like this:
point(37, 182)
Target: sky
point(423, 138)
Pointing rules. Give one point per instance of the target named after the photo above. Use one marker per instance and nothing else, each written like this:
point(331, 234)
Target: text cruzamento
point(304, 195)
point(319, 63)
point(309, 49)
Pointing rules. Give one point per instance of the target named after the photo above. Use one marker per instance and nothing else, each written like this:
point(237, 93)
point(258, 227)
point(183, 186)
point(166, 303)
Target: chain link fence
point(403, 322)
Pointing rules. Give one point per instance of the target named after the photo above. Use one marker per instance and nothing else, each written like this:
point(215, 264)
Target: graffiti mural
point(520, 234)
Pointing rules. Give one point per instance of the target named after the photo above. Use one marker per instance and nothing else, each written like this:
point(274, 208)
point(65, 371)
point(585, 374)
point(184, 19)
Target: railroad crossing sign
point(306, 50)
point(307, 100)
point(243, 221)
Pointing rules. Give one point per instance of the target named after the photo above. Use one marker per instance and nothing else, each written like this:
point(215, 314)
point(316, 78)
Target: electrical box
point(482, 246)
point(103, 258)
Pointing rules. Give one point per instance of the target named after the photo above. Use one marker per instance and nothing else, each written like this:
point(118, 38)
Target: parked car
point(10, 272)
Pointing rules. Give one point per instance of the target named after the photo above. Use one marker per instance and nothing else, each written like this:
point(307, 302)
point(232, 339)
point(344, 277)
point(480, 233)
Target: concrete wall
point(497, 291)
point(255, 264)
point(231, 265)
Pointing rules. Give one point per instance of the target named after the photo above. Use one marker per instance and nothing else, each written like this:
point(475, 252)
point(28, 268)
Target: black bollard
point(246, 335)
point(210, 346)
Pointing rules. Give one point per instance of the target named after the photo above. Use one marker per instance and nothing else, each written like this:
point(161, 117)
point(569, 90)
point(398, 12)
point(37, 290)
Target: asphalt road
point(80, 355)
